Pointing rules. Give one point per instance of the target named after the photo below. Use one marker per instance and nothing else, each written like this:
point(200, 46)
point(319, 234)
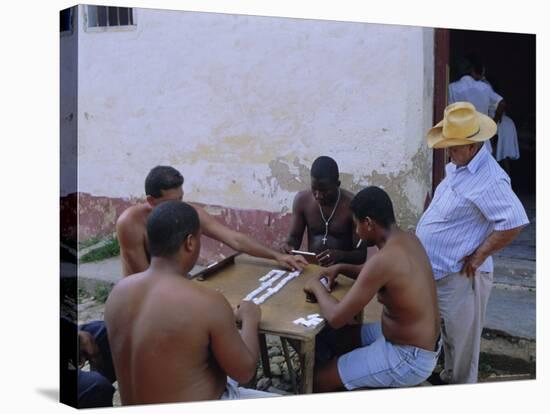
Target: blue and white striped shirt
point(468, 205)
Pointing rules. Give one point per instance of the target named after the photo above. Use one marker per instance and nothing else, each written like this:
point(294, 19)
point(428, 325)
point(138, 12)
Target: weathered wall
point(242, 106)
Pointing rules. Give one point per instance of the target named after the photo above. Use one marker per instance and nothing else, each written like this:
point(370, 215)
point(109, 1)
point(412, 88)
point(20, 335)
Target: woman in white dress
point(507, 147)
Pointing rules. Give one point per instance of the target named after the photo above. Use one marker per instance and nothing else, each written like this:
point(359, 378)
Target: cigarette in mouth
point(358, 244)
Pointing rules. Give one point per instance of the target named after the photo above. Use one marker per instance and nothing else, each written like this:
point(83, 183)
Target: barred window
point(106, 16)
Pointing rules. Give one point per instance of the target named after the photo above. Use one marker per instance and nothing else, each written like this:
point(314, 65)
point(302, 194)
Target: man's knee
point(327, 378)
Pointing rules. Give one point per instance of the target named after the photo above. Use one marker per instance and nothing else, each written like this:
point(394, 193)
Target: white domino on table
point(276, 275)
point(274, 272)
point(312, 320)
point(267, 281)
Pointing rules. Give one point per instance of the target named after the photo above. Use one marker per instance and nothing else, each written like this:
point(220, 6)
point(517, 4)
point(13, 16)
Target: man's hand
point(471, 264)
point(331, 273)
point(286, 248)
point(249, 311)
point(292, 262)
point(329, 257)
point(312, 284)
point(88, 351)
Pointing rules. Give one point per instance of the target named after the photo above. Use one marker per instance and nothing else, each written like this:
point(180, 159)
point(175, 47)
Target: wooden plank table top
point(279, 311)
point(238, 279)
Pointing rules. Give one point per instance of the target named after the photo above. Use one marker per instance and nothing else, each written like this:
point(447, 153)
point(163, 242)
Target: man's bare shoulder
point(303, 197)
point(201, 211)
point(346, 194)
point(134, 215)
point(404, 253)
point(187, 295)
point(124, 291)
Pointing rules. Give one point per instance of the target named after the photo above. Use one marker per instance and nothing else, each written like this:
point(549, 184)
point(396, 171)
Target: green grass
point(81, 295)
point(101, 293)
point(110, 249)
point(90, 242)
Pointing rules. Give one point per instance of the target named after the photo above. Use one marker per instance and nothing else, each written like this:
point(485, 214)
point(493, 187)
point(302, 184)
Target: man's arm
point(297, 225)
point(501, 107)
point(496, 241)
point(236, 354)
point(331, 272)
point(500, 206)
point(331, 256)
point(243, 243)
point(371, 278)
point(132, 250)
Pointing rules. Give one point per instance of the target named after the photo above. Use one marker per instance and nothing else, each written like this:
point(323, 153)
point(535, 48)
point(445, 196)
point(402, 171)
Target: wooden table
point(238, 279)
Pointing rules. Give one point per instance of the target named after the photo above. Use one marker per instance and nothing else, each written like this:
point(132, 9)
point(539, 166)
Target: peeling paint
point(402, 187)
point(284, 178)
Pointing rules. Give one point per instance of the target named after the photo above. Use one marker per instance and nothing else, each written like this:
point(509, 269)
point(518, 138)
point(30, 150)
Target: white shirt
point(478, 93)
point(468, 205)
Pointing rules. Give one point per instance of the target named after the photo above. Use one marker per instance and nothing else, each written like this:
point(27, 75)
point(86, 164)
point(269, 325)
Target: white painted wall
point(242, 105)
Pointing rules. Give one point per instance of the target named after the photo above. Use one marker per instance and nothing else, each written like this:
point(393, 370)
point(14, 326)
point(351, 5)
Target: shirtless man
point(171, 339)
point(373, 355)
point(165, 183)
point(324, 210)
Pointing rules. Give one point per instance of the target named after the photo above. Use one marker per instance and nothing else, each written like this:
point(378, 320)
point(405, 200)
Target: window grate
point(106, 16)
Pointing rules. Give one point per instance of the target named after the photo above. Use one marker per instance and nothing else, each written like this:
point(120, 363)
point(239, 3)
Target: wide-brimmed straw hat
point(461, 125)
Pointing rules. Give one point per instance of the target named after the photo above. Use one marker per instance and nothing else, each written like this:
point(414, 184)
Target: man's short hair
point(476, 63)
point(375, 203)
point(168, 226)
point(160, 178)
point(325, 167)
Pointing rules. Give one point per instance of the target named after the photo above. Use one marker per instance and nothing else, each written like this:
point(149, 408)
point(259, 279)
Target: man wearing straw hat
point(473, 214)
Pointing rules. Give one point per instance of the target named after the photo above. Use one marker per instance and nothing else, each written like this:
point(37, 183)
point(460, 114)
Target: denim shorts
point(379, 363)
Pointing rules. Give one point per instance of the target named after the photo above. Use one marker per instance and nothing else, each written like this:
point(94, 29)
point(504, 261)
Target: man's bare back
point(164, 322)
point(132, 237)
point(171, 339)
point(410, 314)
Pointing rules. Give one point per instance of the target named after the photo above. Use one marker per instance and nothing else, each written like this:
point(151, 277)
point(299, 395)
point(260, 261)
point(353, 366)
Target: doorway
point(510, 64)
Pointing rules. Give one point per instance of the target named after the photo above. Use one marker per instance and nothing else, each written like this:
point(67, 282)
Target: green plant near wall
point(89, 242)
point(101, 292)
point(111, 248)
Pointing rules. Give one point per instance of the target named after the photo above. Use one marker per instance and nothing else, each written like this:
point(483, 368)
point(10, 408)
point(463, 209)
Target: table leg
point(308, 358)
point(291, 372)
point(264, 355)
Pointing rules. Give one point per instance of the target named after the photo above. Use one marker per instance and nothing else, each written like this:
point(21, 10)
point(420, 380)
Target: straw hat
point(461, 125)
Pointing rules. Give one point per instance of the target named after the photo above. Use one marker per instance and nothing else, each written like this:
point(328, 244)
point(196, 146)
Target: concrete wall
point(242, 106)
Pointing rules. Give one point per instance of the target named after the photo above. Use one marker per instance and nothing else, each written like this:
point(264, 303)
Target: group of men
point(174, 340)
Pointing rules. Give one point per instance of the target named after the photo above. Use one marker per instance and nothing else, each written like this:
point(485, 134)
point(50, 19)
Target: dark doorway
point(510, 63)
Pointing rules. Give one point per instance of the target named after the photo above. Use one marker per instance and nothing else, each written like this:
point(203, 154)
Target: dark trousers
point(95, 387)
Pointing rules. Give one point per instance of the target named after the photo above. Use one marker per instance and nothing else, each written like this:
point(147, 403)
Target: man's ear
point(369, 223)
point(190, 243)
point(150, 200)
